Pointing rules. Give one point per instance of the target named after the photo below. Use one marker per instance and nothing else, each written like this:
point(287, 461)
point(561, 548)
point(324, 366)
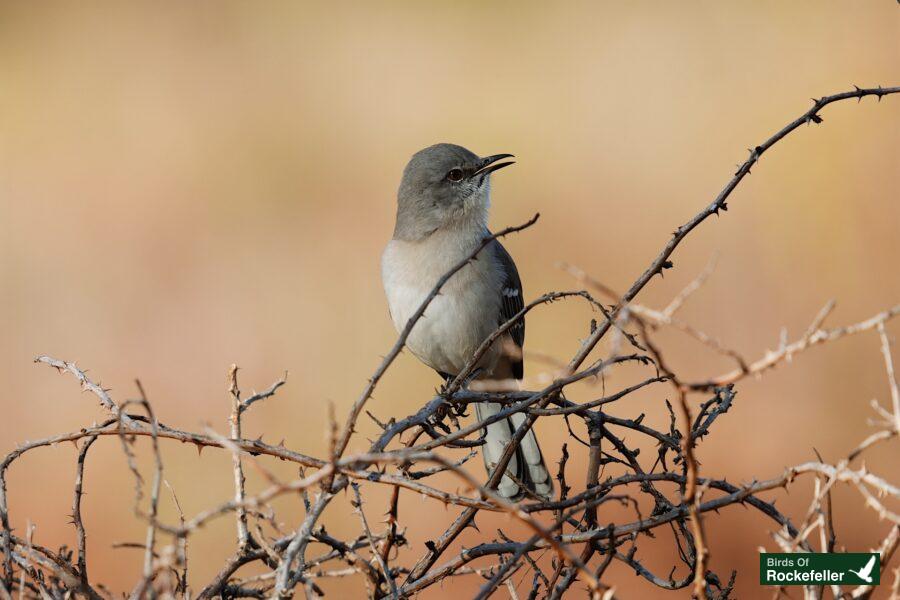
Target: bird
point(866, 572)
point(442, 218)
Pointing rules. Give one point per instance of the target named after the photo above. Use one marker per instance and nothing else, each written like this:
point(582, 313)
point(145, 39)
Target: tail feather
point(535, 475)
point(527, 465)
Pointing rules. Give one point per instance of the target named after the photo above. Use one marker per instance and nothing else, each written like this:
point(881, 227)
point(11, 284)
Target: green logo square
point(848, 568)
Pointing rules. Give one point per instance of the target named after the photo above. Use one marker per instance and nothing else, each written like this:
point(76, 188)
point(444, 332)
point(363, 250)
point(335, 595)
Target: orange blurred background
point(189, 185)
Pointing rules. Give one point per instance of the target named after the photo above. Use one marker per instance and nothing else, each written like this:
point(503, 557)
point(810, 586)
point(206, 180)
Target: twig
point(235, 424)
point(76, 510)
point(368, 534)
point(662, 261)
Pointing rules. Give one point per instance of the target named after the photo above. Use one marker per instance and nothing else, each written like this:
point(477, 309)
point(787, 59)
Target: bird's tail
point(526, 467)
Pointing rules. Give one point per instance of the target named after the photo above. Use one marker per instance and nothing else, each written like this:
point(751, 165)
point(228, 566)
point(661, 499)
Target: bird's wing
point(511, 303)
point(867, 570)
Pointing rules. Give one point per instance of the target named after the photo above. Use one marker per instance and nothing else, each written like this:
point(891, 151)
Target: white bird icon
point(866, 572)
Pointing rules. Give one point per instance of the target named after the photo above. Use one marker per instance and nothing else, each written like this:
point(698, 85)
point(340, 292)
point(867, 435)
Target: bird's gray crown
point(442, 185)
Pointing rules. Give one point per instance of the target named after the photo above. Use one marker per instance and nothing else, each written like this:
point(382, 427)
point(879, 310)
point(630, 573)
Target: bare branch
point(558, 542)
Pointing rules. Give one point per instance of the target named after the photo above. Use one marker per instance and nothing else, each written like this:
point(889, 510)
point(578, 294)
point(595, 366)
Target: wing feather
point(512, 302)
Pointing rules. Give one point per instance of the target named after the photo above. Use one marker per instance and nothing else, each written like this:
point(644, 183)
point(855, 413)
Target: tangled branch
point(566, 541)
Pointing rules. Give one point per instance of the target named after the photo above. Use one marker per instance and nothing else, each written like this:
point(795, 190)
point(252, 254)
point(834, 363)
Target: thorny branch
point(568, 539)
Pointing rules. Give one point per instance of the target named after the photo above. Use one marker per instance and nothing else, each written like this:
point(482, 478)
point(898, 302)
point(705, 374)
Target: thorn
point(668, 264)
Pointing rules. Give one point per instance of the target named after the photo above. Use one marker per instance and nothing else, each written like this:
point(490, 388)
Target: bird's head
point(442, 185)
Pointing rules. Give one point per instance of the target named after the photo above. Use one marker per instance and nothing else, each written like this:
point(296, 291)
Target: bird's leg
point(444, 408)
point(447, 408)
point(447, 379)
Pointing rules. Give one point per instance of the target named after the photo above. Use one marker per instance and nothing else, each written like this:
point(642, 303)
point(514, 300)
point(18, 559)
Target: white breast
point(462, 316)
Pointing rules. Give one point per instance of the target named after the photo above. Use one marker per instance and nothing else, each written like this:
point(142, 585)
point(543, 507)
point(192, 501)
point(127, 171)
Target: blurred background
point(185, 186)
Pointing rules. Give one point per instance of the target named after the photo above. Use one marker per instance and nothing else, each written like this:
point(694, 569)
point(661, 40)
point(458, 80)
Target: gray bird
point(442, 214)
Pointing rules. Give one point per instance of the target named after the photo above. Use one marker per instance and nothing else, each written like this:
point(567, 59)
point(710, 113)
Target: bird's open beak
point(489, 164)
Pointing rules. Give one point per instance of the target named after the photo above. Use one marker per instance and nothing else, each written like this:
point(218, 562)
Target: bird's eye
point(455, 175)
